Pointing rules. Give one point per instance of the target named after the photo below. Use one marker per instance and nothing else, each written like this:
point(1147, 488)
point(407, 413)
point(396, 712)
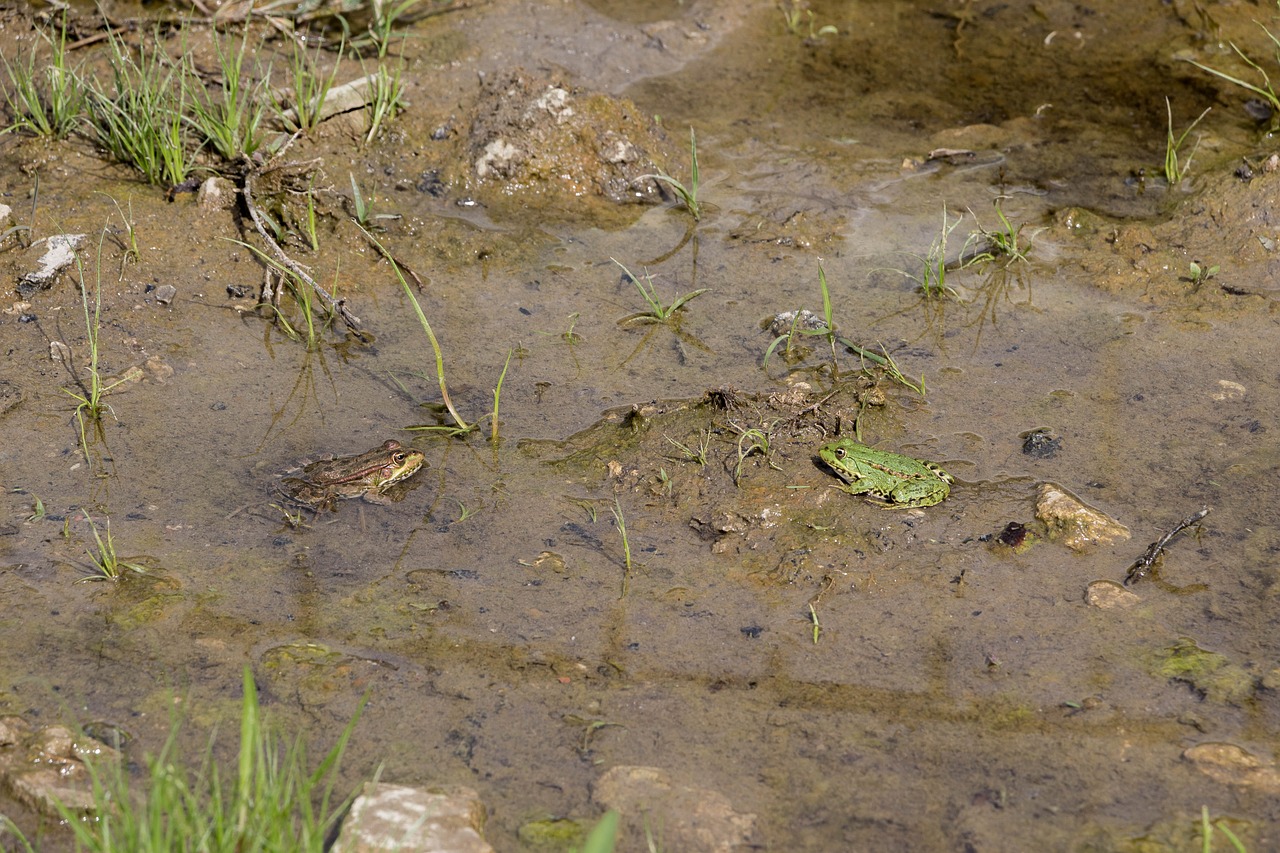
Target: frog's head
point(401, 463)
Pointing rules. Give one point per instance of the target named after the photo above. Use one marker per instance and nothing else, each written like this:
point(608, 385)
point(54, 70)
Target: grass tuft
point(110, 566)
point(230, 119)
point(269, 801)
point(140, 119)
point(50, 107)
point(657, 313)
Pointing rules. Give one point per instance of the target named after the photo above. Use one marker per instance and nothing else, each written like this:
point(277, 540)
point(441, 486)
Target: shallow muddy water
point(956, 694)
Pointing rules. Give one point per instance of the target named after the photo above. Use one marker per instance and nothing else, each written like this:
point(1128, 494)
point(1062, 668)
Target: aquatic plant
point(385, 98)
point(91, 391)
point(461, 425)
point(695, 454)
point(687, 194)
point(382, 27)
point(1200, 274)
point(130, 244)
point(50, 107)
point(983, 246)
point(309, 89)
point(657, 313)
point(751, 440)
point(794, 12)
point(1263, 88)
point(269, 801)
point(604, 835)
point(1174, 171)
point(110, 566)
point(825, 327)
point(1207, 828)
point(497, 395)
point(621, 523)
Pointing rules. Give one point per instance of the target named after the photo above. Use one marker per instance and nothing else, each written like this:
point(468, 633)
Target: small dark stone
point(27, 318)
point(431, 184)
point(1039, 444)
point(752, 631)
point(237, 291)
point(1013, 534)
point(219, 407)
point(1258, 110)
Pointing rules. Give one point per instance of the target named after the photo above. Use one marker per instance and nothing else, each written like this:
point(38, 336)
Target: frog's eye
point(840, 452)
point(398, 458)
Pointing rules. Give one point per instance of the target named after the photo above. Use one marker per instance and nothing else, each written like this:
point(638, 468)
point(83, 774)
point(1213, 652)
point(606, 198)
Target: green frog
point(900, 480)
point(322, 484)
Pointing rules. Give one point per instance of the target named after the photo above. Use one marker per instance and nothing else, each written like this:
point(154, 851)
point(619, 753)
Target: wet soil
point(857, 677)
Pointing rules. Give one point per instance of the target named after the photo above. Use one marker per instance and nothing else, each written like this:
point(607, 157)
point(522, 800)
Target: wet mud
point(855, 677)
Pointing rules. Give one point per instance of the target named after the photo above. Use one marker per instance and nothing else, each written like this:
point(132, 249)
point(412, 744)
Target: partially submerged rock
point(43, 767)
point(695, 820)
point(1109, 595)
point(60, 253)
point(1229, 764)
point(396, 817)
point(1073, 522)
point(544, 141)
point(1210, 674)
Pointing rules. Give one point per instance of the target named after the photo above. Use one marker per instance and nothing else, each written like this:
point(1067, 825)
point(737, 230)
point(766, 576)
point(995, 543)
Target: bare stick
point(337, 306)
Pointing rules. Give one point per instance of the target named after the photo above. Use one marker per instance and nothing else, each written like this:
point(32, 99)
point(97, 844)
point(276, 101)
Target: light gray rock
point(414, 820)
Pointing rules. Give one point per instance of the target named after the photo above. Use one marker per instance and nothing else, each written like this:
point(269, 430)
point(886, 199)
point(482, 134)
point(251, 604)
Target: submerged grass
point(461, 425)
point(1263, 87)
point(657, 313)
point(110, 566)
point(984, 246)
point(688, 195)
point(825, 328)
point(1174, 171)
point(90, 392)
point(621, 523)
point(1207, 828)
point(270, 800)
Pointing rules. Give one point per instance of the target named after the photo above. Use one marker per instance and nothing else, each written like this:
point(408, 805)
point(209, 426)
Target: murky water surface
point(956, 694)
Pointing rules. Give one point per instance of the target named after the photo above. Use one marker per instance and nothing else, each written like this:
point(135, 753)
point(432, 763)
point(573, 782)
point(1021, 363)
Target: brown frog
point(321, 485)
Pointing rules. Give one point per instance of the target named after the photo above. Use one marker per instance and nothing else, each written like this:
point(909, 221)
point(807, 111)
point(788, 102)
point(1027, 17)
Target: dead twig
point(1146, 564)
point(255, 170)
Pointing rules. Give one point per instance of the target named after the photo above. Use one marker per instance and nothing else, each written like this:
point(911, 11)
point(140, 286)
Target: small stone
point(58, 351)
point(1109, 595)
point(165, 293)
point(157, 369)
point(1228, 391)
point(216, 194)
